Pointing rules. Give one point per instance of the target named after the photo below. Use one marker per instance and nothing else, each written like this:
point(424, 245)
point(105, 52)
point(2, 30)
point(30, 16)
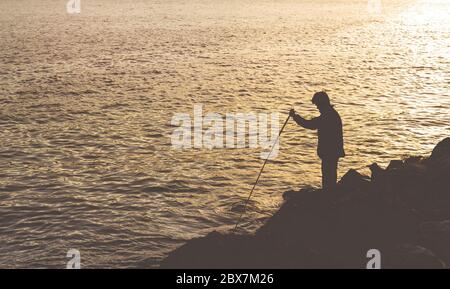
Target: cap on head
point(320, 98)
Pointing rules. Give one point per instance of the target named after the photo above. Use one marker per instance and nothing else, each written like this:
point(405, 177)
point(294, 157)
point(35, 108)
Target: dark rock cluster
point(403, 211)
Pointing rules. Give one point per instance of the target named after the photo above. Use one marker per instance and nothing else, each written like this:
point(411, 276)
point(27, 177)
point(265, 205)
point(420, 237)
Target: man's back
point(331, 141)
point(329, 127)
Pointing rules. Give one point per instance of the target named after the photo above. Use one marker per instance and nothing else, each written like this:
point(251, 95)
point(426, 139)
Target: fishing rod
point(260, 172)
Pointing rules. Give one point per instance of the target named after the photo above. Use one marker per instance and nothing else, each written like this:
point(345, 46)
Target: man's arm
point(309, 124)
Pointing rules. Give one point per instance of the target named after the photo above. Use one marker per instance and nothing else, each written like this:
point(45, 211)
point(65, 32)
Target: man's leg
point(329, 173)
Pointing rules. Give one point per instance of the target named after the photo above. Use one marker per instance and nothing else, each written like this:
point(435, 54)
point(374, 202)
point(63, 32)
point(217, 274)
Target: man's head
point(321, 100)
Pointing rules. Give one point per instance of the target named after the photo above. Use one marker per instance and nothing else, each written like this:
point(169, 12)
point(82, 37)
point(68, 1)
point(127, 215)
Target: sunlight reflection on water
point(86, 103)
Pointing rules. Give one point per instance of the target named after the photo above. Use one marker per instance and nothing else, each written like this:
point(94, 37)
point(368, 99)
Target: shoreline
point(402, 211)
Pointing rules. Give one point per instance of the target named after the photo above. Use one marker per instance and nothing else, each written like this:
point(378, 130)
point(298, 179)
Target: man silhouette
point(330, 138)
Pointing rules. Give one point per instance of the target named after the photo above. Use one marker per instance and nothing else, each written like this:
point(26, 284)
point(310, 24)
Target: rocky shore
point(403, 211)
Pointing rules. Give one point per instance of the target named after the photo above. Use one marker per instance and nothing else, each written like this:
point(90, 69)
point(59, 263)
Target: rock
point(436, 236)
point(395, 164)
point(382, 185)
point(441, 152)
point(289, 195)
point(353, 180)
point(403, 183)
point(298, 194)
point(439, 162)
point(409, 256)
point(417, 161)
point(377, 172)
point(215, 250)
point(408, 203)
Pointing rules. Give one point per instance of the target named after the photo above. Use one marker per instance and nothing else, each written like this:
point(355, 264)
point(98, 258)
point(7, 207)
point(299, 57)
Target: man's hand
point(292, 113)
